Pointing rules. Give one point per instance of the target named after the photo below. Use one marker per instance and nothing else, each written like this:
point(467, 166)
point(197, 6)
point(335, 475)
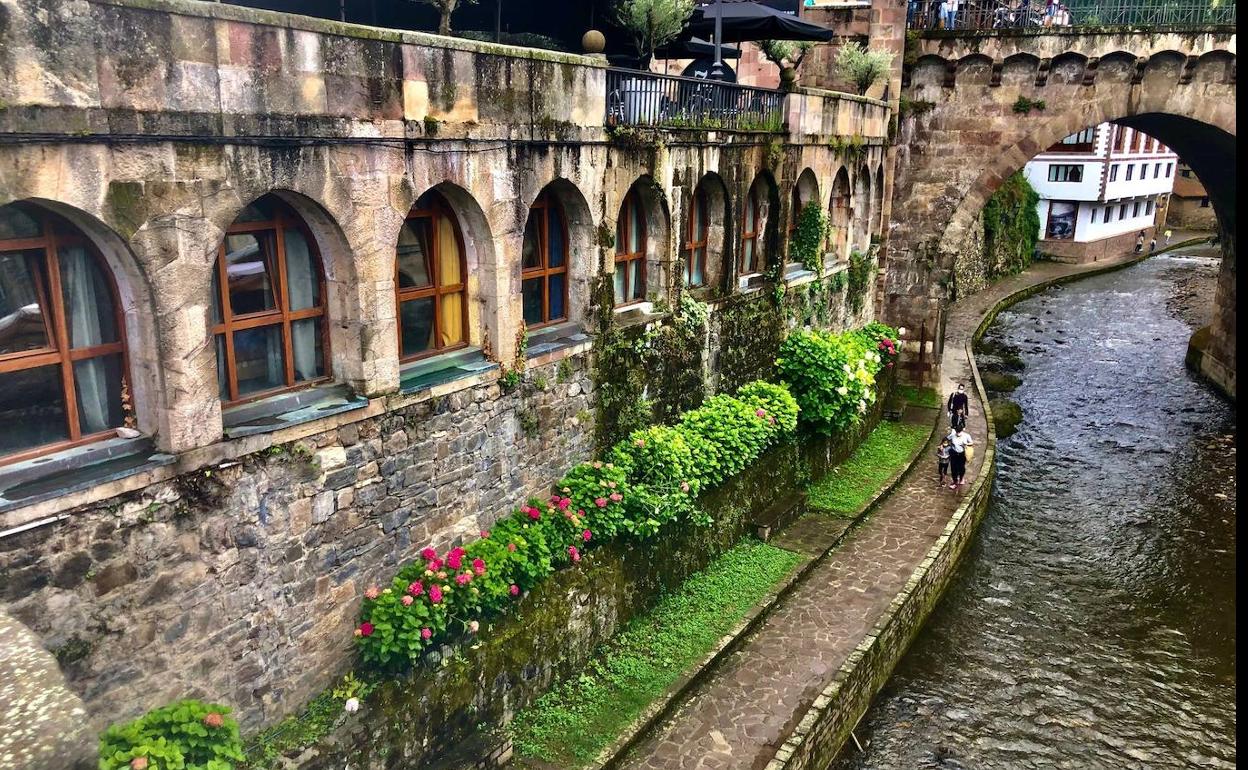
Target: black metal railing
point(1014, 14)
point(637, 98)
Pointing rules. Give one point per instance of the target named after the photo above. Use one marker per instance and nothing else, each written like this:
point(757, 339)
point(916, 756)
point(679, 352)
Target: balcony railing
point(636, 98)
point(1014, 14)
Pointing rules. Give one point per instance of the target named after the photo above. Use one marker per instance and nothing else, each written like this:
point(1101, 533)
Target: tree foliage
point(652, 23)
point(446, 8)
point(861, 67)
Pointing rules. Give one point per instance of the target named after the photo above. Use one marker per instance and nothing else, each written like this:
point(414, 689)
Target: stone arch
point(719, 236)
point(1019, 70)
point(840, 215)
point(1115, 67)
point(860, 230)
point(804, 191)
point(973, 70)
point(1163, 69)
point(656, 214)
point(344, 317)
point(139, 313)
point(764, 194)
point(877, 201)
point(928, 76)
point(1215, 67)
point(582, 250)
point(476, 244)
point(1068, 69)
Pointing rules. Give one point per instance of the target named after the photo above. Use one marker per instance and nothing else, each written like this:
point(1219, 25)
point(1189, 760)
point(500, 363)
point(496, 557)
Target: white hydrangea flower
point(846, 368)
point(862, 405)
point(842, 390)
point(351, 706)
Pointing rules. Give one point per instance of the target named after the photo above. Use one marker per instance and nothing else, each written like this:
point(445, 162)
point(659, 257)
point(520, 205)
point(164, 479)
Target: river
point(1092, 624)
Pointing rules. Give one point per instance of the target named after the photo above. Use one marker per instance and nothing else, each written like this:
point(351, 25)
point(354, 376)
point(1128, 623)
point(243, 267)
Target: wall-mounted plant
point(861, 266)
point(851, 148)
point(431, 125)
point(775, 154)
point(1024, 106)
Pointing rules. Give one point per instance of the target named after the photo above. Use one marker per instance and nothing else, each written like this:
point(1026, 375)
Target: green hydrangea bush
point(187, 735)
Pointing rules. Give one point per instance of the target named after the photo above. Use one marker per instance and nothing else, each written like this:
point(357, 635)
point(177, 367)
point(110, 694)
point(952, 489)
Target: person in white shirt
point(949, 13)
point(959, 440)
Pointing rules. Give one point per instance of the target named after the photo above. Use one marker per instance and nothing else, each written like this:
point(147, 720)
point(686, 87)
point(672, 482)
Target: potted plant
point(788, 56)
point(860, 67)
point(652, 23)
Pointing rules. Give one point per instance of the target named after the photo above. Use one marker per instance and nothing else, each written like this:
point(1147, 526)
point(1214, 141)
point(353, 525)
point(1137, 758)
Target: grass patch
point(925, 397)
point(572, 723)
point(848, 487)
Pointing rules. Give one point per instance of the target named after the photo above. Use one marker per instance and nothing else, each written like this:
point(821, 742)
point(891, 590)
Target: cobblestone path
point(744, 710)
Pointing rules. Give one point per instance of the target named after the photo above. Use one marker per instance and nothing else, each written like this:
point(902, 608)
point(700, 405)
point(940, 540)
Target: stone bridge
point(964, 129)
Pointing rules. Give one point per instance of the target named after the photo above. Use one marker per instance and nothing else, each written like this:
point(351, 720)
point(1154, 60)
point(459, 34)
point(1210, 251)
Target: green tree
point(652, 23)
point(787, 55)
point(446, 8)
point(861, 67)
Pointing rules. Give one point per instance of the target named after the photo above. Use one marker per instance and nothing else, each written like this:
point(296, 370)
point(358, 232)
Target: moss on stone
point(1006, 415)
point(999, 382)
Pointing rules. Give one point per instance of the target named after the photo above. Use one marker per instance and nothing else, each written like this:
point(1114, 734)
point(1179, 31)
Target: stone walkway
point(744, 710)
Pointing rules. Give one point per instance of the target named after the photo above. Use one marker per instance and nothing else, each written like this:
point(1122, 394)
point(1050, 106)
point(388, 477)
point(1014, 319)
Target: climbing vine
point(1011, 227)
point(812, 233)
point(861, 266)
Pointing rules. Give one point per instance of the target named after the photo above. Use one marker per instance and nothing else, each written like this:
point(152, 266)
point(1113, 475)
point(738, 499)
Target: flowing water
point(1092, 625)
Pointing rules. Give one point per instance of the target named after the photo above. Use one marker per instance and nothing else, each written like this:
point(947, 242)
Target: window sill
point(555, 338)
point(43, 478)
point(750, 282)
point(287, 409)
point(637, 314)
point(797, 275)
point(438, 370)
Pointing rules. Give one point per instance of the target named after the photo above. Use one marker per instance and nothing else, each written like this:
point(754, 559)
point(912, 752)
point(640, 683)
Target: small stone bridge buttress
point(963, 131)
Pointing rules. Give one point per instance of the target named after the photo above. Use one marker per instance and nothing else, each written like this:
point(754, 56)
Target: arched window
point(268, 304)
point(795, 210)
point(840, 215)
point(63, 363)
point(696, 239)
point(751, 242)
point(630, 251)
point(544, 264)
point(431, 280)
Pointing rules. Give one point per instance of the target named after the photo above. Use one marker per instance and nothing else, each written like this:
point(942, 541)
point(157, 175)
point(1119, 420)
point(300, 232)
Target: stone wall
point(232, 570)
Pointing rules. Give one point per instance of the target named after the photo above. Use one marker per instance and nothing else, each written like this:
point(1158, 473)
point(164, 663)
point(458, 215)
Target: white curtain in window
point(82, 316)
point(301, 280)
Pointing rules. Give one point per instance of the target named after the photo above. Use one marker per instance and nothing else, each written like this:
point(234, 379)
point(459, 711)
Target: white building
point(1099, 189)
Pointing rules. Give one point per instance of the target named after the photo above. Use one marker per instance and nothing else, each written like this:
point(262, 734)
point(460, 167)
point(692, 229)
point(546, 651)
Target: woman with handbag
point(960, 442)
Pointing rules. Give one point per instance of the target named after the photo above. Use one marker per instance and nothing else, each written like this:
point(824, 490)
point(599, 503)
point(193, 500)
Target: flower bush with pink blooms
point(649, 479)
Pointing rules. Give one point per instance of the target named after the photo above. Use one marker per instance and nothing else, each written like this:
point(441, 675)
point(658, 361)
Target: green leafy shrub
point(651, 479)
point(187, 735)
point(861, 266)
point(812, 232)
point(832, 376)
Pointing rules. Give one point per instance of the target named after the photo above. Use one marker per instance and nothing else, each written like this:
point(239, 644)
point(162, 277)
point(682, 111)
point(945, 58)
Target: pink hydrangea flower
point(428, 554)
point(515, 589)
point(435, 594)
point(478, 566)
point(455, 558)
point(565, 503)
point(575, 554)
point(616, 496)
point(597, 465)
point(463, 578)
point(366, 629)
point(434, 564)
point(640, 442)
point(426, 633)
point(760, 413)
point(485, 534)
point(684, 486)
point(372, 592)
point(511, 547)
point(601, 502)
point(586, 535)
point(407, 601)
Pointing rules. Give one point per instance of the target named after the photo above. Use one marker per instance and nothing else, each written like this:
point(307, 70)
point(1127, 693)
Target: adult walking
point(1139, 242)
point(1168, 234)
point(958, 407)
point(949, 13)
point(960, 443)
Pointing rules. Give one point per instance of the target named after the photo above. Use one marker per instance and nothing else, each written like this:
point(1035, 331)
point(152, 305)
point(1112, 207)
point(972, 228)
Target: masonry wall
point(232, 570)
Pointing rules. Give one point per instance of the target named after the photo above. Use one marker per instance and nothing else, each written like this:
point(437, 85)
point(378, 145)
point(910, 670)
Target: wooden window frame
point(697, 242)
point(57, 232)
point(1120, 138)
point(1135, 141)
point(631, 207)
point(544, 202)
point(750, 236)
point(281, 316)
point(436, 206)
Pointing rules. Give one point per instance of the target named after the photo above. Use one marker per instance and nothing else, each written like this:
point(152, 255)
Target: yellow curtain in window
point(450, 273)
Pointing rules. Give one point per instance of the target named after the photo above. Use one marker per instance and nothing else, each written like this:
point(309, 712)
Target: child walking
point(942, 460)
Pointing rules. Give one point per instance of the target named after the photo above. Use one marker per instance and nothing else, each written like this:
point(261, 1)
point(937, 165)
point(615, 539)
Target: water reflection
point(1092, 624)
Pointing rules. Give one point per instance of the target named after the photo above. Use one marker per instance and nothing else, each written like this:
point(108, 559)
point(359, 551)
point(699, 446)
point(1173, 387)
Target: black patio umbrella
point(738, 21)
point(694, 48)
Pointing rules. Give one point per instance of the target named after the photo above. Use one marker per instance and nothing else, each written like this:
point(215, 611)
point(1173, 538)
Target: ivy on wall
point(861, 267)
point(812, 232)
point(1011, 227)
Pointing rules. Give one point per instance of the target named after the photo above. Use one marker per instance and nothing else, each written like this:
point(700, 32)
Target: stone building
point(284, 300)
point(1190, 207)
